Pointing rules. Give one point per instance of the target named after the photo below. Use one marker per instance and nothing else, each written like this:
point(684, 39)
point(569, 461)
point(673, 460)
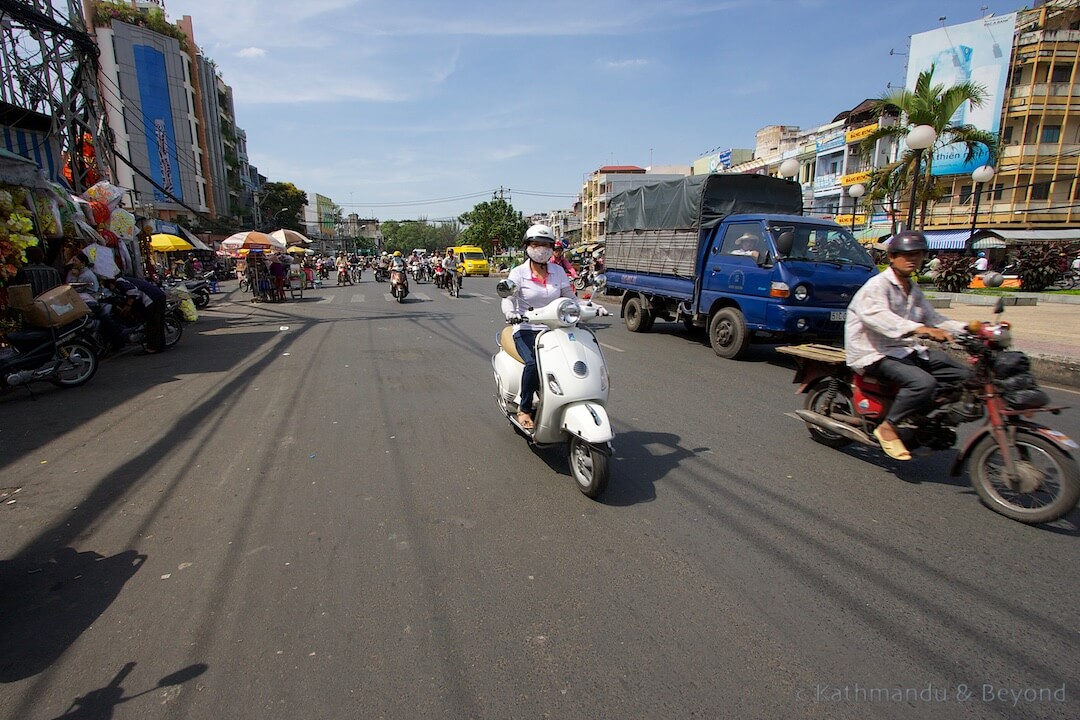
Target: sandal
point(525, 420)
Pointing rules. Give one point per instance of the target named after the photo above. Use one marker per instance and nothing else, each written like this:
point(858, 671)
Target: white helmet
point(540, 233)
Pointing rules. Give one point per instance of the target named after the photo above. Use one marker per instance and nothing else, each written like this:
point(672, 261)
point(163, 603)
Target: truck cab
point(783, 275)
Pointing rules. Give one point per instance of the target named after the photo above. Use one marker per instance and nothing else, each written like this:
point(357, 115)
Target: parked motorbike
point(573, 388)
point(134, 333)
point(1019, 468)
point(199, 288)
point(64, 356)
point(399, 284)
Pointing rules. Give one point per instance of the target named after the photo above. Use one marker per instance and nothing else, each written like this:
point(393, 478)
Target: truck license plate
point(838, 315)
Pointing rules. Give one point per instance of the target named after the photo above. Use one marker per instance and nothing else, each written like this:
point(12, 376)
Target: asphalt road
point(315, 510)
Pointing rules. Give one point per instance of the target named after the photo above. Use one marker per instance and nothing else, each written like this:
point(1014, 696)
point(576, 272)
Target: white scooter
point(573, 387)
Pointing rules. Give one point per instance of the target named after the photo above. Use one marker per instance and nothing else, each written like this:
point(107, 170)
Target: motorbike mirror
point(506, 288)
point(600, 281)
point(999, 306)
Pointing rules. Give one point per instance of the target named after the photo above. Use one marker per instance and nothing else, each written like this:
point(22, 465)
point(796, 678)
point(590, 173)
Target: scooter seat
point(506, 342)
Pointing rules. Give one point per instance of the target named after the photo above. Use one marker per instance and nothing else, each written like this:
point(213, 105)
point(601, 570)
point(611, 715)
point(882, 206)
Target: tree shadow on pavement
point(46, 605)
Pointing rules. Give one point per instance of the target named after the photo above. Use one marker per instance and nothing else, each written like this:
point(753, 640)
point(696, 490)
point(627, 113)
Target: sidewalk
point(1048, 331)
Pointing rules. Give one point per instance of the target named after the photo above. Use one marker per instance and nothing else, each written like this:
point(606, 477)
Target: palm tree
point(932, 105)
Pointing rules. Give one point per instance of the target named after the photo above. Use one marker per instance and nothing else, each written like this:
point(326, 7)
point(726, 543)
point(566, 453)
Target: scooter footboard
point(589, 421)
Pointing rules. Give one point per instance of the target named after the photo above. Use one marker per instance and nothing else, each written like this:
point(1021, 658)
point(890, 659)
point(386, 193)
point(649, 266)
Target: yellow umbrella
point(163, 242)
point(296, 250)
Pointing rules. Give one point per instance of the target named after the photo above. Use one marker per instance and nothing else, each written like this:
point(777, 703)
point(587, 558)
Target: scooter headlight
point(569, 312)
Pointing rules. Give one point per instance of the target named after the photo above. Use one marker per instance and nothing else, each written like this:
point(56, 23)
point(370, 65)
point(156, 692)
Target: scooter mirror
point(600, 281)
point(506, 288)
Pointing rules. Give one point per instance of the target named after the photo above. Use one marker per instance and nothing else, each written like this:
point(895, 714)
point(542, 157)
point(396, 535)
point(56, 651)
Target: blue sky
point(388, 106)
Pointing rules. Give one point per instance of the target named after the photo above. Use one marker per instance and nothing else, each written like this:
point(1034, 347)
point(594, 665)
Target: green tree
point(282, 206)
point(407, 235)
point(490, 222)
point(932, 105)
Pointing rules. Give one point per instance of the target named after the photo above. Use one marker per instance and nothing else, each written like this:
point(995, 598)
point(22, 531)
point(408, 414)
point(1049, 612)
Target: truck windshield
point(817, 243)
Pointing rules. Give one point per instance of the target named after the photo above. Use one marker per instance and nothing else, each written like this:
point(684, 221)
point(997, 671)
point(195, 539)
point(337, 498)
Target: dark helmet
point(907, 241)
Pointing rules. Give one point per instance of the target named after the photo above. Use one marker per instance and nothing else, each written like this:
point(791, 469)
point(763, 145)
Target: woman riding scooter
point(539, 283)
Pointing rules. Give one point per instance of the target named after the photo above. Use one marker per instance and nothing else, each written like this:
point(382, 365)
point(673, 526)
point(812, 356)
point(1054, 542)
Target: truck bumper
point(800, 319)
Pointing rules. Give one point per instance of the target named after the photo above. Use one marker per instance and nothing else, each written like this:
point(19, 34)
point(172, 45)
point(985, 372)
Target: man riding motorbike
point(884, 319)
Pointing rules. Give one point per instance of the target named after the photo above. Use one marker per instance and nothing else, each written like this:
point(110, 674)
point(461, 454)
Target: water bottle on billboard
point(952, 66)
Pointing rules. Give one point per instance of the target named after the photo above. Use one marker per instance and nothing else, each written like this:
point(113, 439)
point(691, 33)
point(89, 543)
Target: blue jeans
point(524, 340)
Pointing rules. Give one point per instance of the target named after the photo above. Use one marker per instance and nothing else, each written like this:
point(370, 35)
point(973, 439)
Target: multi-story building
point(1035, 193)
point(605, 182)
point(148, 88)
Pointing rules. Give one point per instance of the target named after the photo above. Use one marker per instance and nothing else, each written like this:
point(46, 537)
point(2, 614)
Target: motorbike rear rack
point(817, 352)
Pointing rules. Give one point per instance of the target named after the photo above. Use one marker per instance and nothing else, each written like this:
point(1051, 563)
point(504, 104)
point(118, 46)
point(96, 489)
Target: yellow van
point(472, 259)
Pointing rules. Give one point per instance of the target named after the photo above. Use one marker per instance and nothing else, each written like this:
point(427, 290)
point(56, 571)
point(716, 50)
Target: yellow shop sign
point(859, 133)
point(845, 220)
point(859, 177)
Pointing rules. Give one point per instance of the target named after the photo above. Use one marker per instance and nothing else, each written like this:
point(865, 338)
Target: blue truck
point(733, 254)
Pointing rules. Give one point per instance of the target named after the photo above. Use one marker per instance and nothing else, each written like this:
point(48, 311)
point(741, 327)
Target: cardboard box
point(54, 308)
point(20, 296)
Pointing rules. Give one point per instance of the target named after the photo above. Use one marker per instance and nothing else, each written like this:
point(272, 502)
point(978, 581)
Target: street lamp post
point(979, 175)
point(919, 138)
point(856, 191)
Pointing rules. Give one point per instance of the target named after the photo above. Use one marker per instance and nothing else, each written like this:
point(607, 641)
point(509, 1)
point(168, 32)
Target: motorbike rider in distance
point(539, 281)
point(560, 259)
point(450, 265)
point(884, 320)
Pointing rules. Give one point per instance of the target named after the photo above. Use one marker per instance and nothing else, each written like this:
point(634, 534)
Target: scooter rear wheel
point(79, 363)
point(817, 400)
point(589, 467)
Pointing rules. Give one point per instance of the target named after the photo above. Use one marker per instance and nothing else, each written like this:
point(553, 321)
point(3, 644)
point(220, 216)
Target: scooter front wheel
point(1046, 486)
point(589, 467)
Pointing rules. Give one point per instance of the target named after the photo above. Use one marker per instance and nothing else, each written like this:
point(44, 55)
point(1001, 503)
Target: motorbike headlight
point(569, 312)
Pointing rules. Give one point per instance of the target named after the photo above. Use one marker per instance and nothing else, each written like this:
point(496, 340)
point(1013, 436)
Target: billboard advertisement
point(157, 121)
point(976, 52)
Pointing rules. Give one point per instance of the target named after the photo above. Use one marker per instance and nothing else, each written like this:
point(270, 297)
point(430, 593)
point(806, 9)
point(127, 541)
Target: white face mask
point(539, 253)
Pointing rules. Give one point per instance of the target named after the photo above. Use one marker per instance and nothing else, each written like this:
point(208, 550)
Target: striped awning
point(947, 239)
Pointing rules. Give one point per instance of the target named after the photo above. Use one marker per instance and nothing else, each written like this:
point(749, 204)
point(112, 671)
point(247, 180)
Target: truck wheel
point(637, 318)
point(728, 334)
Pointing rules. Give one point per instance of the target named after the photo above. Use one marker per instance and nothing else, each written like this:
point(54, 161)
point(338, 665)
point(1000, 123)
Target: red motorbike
point(1019, 468)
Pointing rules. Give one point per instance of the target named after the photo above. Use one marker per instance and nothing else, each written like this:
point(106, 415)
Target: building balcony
point(1048, 36)
point(1036, 151)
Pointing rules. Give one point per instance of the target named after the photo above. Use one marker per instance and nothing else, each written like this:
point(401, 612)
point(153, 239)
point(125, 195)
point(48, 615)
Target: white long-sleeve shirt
point(882, 317)
point(535, 292)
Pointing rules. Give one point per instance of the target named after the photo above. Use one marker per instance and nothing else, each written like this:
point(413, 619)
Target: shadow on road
point(642, 459)
point(100, 704)
point(46, 605)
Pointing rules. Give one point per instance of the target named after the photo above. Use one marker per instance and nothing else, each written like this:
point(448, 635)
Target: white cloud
point(251, 52)
point(625, 64)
